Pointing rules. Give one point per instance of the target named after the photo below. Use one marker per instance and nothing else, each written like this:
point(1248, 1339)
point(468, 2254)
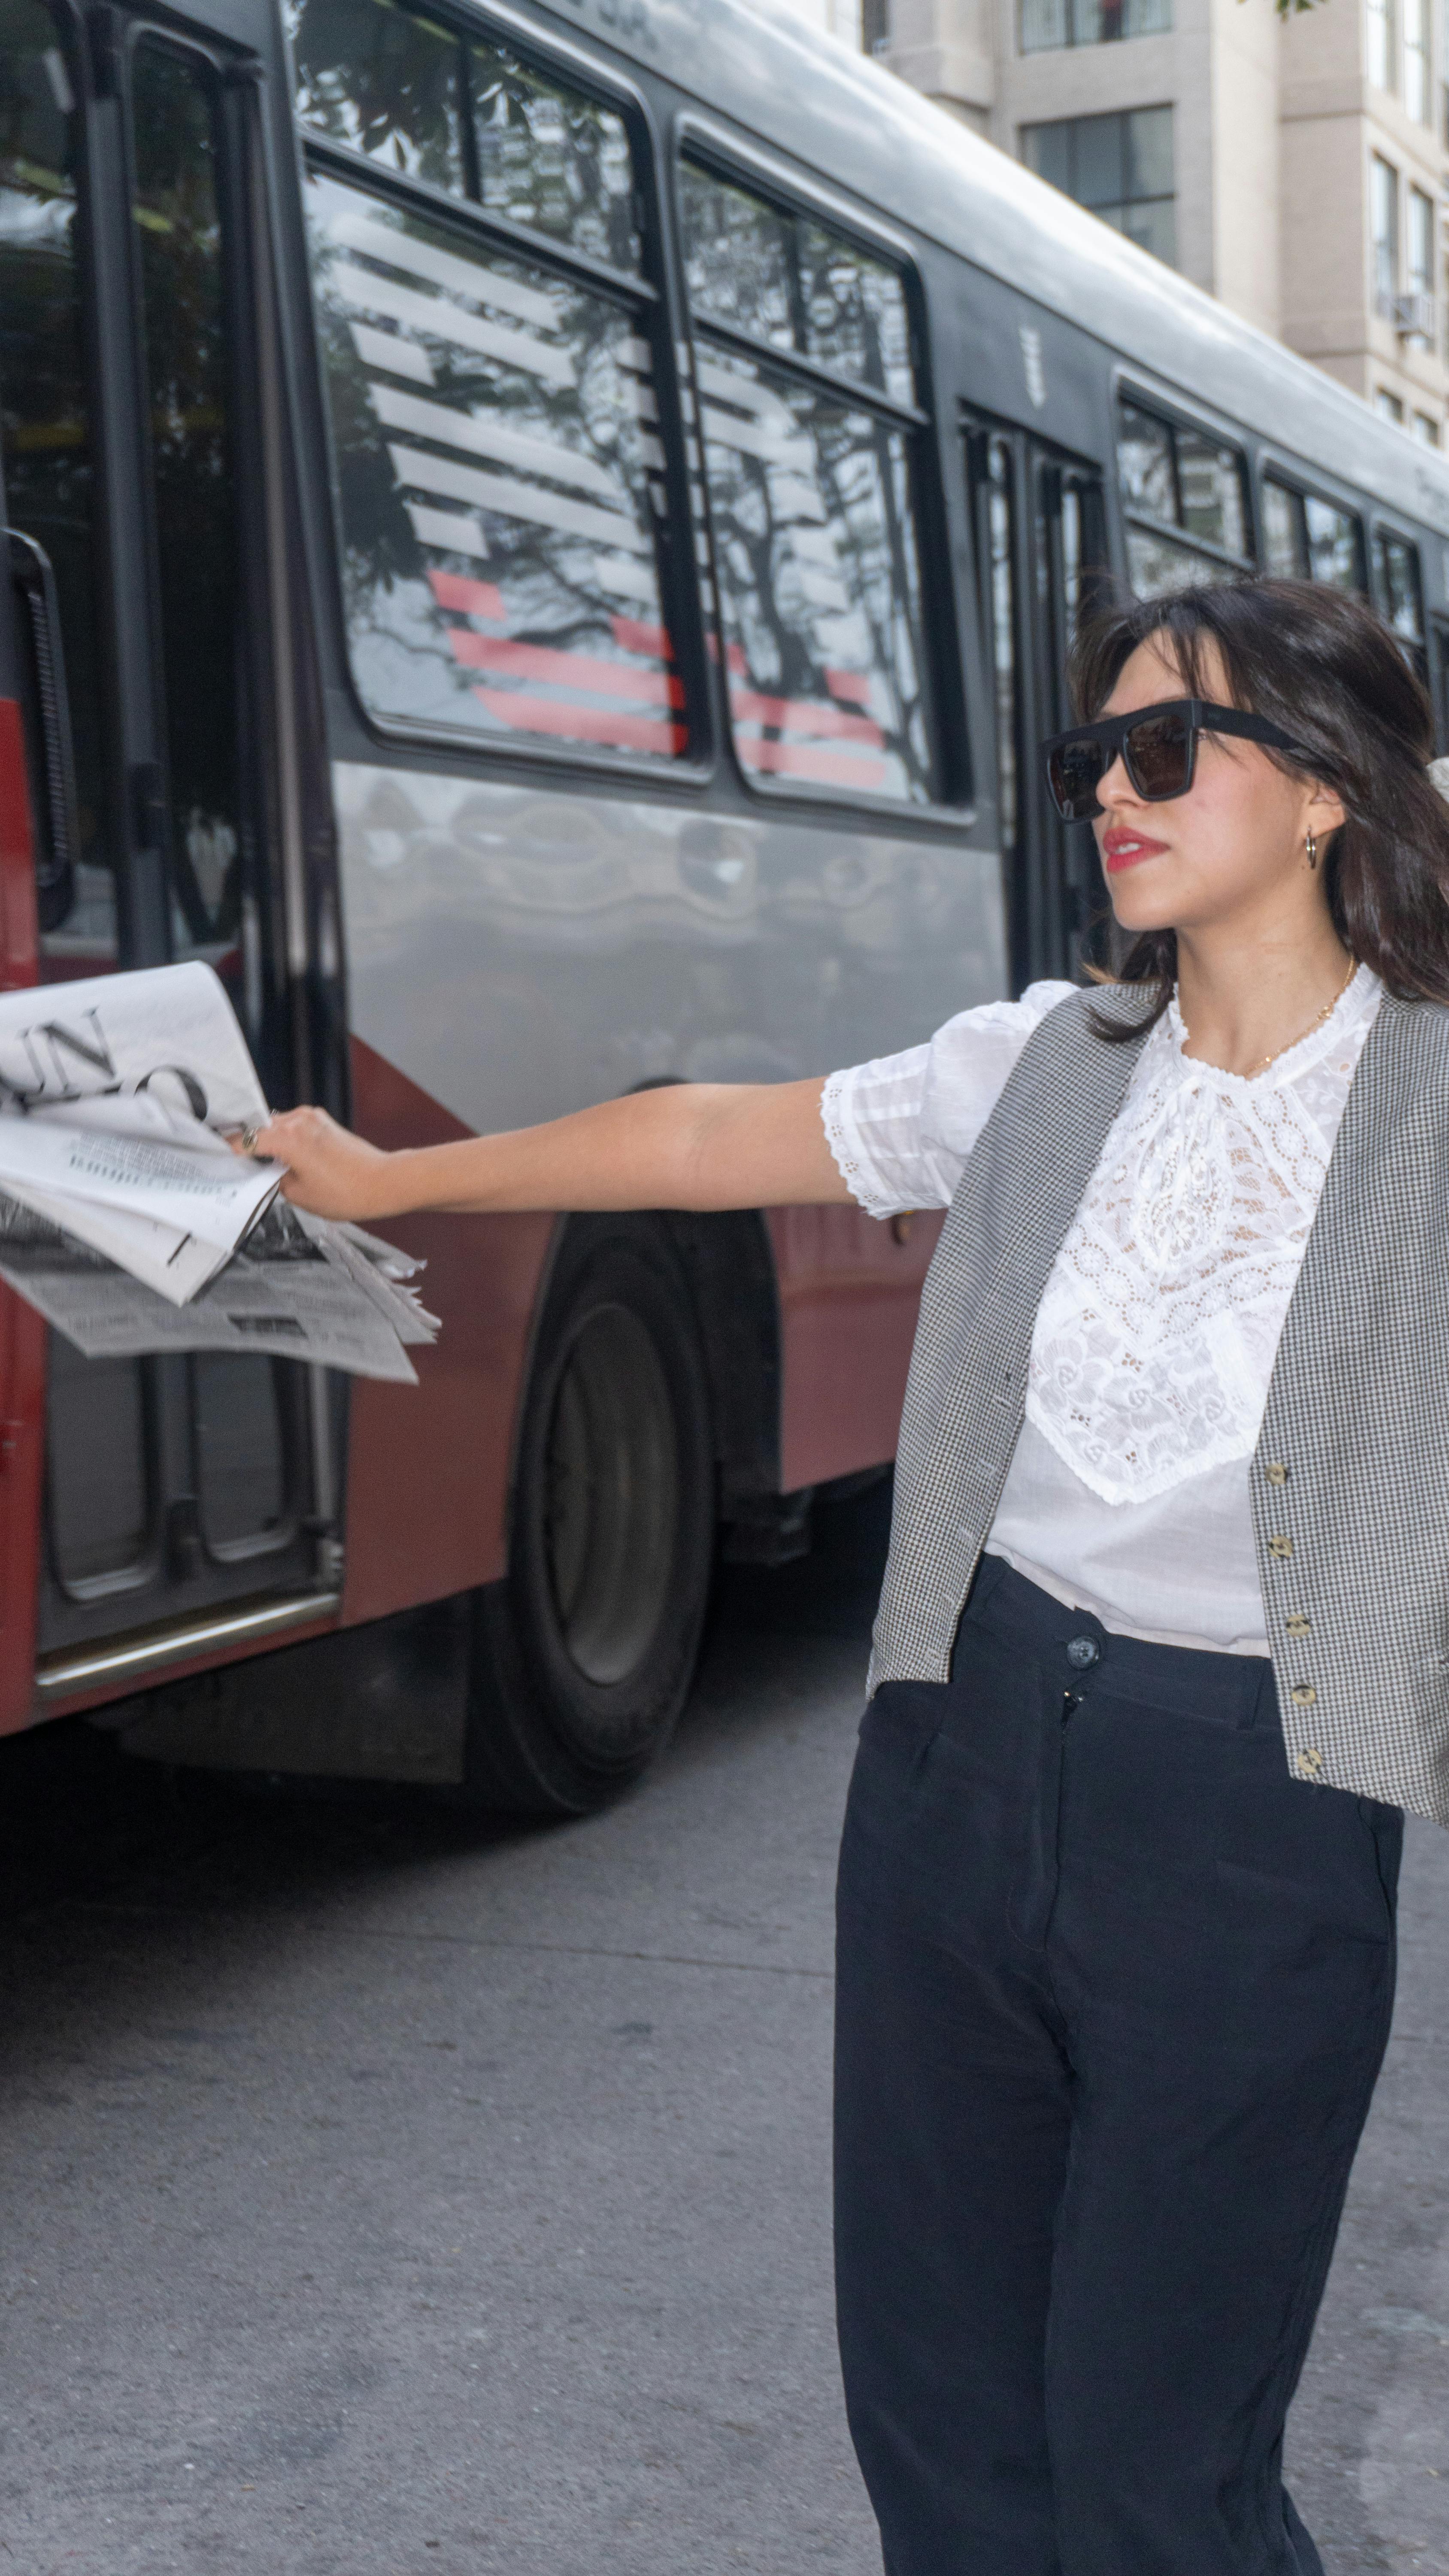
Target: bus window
point(552, 159)
point(499, 472)
point(372, 76)
point(810, 494)
point(854, 312)
point(1185, 497)
point(1400, 594)
point(46, 436)
point(1306, 539)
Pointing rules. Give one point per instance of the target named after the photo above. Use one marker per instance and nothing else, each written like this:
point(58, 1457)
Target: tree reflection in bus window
point(551, 158)
point(187, 372)
point(1335, 544)
point(45, 430)
point(1210, 481)
point(406, 91)
point(819, 588)
point(499, 486)
point(855, 312)
point(811, 505)
point(1178, 478)
point(739, 254)
point(1145, 464)
point(387, 83)
point(1306, 539)
point(1401, 595)
point(793, 283)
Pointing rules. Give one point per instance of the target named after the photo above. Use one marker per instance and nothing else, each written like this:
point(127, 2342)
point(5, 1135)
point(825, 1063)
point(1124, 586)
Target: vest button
point(1280, 1547)
point(1083, 1652)
point(1298, 1624)
point(1309, 1764)
point(1276, 1472)
point(1304, 1695)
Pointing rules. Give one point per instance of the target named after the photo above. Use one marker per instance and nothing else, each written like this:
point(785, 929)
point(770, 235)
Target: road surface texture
point(386, 2192)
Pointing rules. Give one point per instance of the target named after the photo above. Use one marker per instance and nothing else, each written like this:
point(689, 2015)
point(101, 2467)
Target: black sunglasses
point(1158, 746)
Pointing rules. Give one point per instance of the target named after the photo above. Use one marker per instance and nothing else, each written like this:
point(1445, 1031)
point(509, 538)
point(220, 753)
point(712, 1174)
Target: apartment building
point(1297, 169)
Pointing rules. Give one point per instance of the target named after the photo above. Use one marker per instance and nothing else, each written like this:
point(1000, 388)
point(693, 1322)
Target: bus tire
point(583, 1656)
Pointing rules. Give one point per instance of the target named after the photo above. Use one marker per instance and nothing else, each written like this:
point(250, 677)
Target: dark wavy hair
point(1325, 667)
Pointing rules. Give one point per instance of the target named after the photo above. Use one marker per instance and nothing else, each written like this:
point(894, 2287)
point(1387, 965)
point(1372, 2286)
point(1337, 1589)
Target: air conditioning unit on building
point(1413, 316)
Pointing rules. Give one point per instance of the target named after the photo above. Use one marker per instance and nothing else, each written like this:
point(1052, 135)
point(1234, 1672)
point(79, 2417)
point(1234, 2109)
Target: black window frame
point(722, 157)
point(1290, 478)
point(1129, 392)
point(644, 295)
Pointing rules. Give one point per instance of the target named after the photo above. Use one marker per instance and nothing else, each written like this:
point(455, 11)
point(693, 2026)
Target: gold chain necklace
point(1325, 1014)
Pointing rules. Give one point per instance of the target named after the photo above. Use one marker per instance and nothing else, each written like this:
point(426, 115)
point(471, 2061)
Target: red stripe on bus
point(569, 670)
point(806, 716)
point(479, 598)
point(636, 637)
point(848, 684)
point(580, 724)
point(795, 760)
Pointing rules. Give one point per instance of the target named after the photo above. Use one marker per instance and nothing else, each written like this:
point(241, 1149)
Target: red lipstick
point(1124, 848)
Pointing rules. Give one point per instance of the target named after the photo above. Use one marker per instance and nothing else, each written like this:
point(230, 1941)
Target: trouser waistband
point(1189, 1681)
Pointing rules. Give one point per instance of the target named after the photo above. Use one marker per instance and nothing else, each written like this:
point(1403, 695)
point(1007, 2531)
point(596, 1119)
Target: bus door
point(1040, 533)
point(131, 379)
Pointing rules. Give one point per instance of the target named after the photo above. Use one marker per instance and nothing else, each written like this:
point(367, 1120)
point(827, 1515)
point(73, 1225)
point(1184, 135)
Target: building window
point(1185, 497)
point(1416, 59)
point(1046, 24)
point(1381, 43)
point(1425, 429)
point(875, 26)
point(1418, 319)
point(1384, 223)
point(1119, 166)
point(1388, 406)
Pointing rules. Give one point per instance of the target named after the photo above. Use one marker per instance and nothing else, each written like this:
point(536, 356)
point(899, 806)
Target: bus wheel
point(584, 1655)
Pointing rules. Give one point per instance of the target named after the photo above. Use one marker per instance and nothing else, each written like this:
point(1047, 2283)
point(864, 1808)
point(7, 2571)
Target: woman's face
point(1234, 845)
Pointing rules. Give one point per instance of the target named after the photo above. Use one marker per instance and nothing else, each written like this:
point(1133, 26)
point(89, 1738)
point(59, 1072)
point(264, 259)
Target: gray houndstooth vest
point(1350, 1479)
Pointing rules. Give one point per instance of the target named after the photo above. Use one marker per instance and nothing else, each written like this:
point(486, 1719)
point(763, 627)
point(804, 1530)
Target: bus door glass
point(124, 393)
point(1041, 553)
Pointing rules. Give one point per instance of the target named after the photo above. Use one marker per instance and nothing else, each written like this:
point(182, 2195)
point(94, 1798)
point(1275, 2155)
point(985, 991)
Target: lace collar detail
point(1156, 1336)
point(1351, 1017)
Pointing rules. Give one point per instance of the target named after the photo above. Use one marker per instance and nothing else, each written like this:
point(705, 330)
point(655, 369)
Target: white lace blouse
point(1154, 1341)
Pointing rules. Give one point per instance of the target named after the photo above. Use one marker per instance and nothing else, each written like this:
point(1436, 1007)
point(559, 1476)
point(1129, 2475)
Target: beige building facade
point(1295, 169)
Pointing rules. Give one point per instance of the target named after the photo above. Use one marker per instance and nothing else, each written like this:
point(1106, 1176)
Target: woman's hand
point(330, 1171)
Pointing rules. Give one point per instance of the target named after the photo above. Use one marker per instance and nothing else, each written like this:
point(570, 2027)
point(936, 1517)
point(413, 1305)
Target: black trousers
point(1114, 1990)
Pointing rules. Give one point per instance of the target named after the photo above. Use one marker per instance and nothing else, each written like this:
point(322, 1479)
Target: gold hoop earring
point(1311, 850)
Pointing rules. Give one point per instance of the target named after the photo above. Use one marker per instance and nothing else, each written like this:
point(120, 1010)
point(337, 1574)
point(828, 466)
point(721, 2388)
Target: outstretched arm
point(687, 1145)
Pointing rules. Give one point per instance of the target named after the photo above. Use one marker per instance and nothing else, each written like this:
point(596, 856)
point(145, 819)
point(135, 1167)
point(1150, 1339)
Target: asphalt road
point(384, 2193)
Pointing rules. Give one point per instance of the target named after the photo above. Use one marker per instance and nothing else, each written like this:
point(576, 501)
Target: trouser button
point(1082, 1653)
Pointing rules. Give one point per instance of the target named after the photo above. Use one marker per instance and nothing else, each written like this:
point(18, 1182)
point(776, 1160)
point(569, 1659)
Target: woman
point(1163, 1649)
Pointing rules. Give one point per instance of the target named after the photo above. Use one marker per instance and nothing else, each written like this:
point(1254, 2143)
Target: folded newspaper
point(127, 1220)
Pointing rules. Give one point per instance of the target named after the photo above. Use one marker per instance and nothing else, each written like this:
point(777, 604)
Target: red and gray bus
point(541, 543)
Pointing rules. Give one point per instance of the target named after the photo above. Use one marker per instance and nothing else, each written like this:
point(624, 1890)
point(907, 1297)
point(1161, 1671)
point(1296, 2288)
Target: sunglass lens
point(1075, 772)
point(1159, 756)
